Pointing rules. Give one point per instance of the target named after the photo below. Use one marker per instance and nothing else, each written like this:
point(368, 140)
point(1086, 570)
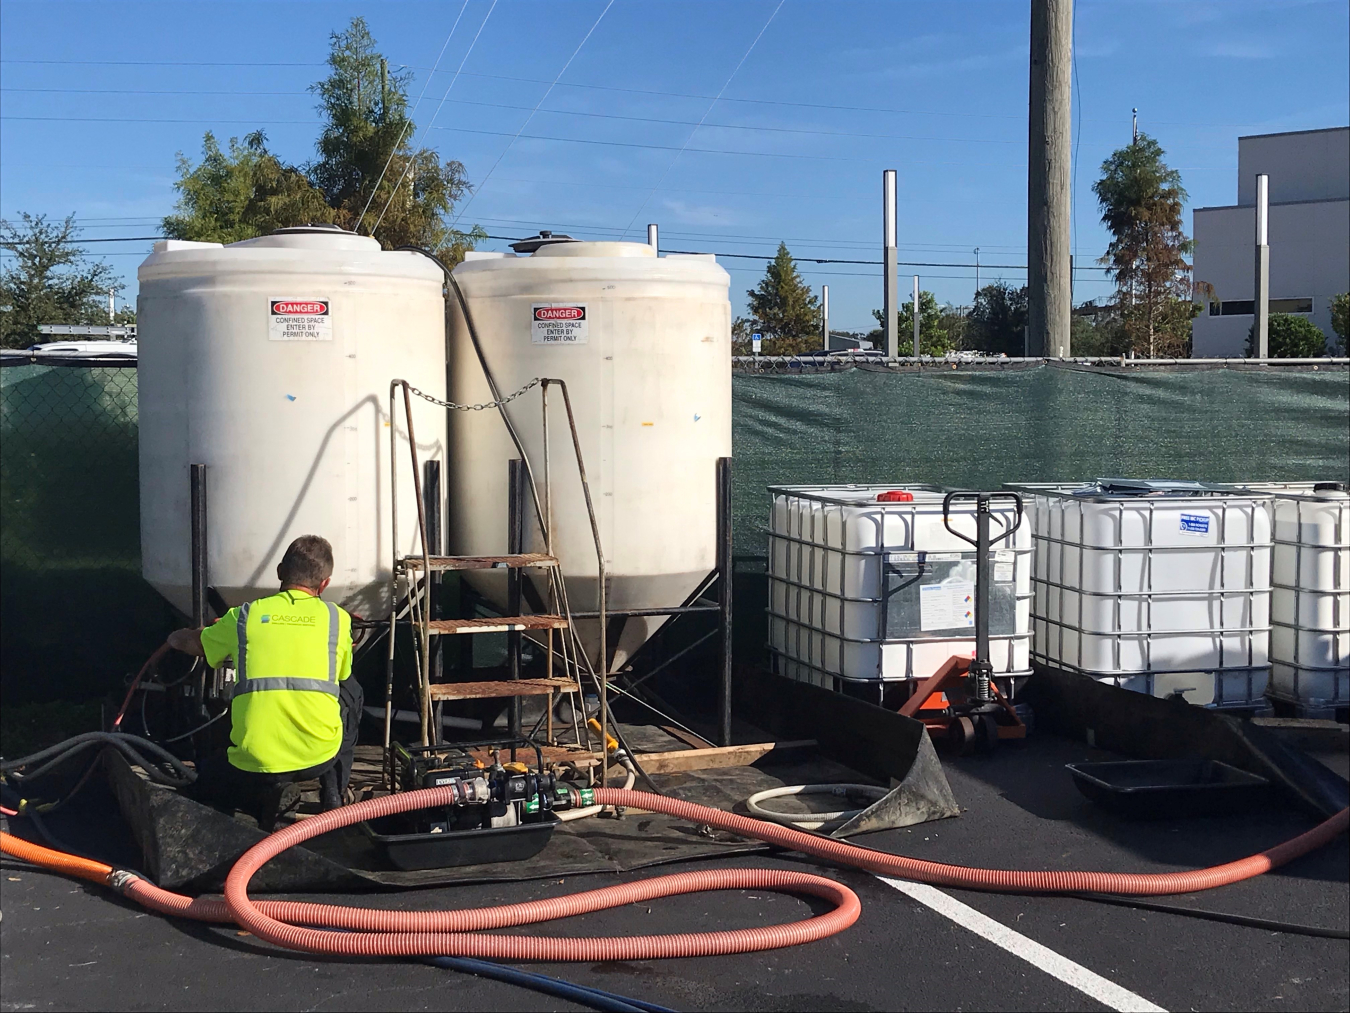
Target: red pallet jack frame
point(961, 702)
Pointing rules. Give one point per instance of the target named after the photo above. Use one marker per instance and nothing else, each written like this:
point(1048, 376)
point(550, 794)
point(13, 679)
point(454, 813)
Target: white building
point(1309, 174)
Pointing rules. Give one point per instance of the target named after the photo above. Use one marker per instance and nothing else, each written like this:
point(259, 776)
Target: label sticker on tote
point(558, 324)
point(299, 320)
point(947, 606)
point(1194, 524)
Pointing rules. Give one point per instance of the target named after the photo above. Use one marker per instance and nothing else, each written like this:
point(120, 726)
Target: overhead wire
point(740, 63)
point(542, 99)
point(409, 121)
point(464, 60)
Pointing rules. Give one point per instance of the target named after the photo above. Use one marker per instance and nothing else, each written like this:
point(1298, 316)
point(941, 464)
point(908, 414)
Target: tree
point(50, 282)
point(783, 305)
point(1340, 320)
point(1290, 337)
point(367, 177)
point(1141, 201)
point(246, 193)
point(935, 327)
point(998, 320)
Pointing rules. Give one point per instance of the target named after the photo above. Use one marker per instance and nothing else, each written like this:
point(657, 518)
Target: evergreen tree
point(367, 173)
point(936, 326)
point(50, 281)
point(1141, 201)
point(783, 305)
point(998, 320)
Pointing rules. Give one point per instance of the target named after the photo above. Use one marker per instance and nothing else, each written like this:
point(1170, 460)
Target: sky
point(732, 125)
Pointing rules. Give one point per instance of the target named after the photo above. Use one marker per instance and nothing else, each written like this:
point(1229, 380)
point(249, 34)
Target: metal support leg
point(197, 488)
point(724, 577)
point(515, 522)
point(432, 499)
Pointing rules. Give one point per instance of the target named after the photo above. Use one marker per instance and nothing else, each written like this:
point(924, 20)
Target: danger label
point(300, 320)
point(558, 324)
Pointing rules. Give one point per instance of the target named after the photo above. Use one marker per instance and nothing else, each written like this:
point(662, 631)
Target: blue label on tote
point(1194, 524)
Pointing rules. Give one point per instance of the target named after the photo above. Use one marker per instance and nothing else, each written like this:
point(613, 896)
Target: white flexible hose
point(812, 820)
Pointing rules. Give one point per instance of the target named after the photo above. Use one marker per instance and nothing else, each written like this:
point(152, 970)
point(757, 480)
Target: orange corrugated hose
point(456, 933)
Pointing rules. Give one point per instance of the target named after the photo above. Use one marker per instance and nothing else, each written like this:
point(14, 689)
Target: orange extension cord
point(372, 932)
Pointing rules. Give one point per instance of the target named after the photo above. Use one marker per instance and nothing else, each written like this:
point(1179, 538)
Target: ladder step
point(513, 561)
point(497, 624)
point(493, 690)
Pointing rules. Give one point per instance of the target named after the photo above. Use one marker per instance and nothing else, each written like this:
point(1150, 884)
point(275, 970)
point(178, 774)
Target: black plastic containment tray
point(1157, 789)
point(411, 852)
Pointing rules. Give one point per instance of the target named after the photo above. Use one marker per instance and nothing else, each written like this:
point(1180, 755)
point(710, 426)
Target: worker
point(295, 710)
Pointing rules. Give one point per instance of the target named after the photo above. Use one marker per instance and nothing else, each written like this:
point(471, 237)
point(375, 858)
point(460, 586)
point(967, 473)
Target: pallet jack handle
point(981, 668)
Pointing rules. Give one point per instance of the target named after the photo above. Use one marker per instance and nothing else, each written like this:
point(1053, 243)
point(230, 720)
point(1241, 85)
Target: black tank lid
point(545, 238)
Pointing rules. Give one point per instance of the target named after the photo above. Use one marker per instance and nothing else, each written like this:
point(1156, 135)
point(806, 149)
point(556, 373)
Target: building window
point(1247, 307)
point(1291, 305)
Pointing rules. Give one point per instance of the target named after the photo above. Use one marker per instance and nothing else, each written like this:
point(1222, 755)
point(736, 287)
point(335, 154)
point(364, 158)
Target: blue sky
point(97, 97)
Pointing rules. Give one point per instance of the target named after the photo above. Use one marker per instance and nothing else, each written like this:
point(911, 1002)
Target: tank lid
point(319, 227)
point(545, 238)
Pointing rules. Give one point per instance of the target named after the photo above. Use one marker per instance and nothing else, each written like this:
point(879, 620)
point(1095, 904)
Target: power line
point(665, 172)
point(408, 122)
point(408, 166)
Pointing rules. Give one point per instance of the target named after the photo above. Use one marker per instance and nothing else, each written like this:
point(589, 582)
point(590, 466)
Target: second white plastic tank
point(644, 345)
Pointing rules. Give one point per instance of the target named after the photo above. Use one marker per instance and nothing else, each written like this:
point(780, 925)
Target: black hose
point(1269, 924)
point(167, 769)
point(593, 998)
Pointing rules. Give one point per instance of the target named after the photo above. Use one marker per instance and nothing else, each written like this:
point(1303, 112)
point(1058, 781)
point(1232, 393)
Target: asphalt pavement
point(70, 945)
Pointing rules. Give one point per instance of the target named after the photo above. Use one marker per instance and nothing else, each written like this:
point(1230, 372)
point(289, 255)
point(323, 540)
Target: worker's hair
point(308, 562)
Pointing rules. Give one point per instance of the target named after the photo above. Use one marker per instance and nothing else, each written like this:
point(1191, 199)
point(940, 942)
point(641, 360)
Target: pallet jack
point(961, 702)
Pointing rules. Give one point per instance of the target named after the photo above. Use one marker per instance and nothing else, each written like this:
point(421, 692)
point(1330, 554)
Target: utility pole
point(112, 314)
point(916, 316)
point(653, 240)
point(825, 316)
point(891, 283)
point(1049, 296)
point(977, 270)
point(1261, 300)
point(1134, 116)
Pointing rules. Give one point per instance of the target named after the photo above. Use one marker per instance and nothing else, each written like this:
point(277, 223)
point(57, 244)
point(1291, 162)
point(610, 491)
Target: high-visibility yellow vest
point(290, 652)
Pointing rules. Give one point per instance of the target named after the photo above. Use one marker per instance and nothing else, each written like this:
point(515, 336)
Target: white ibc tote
point(867, 586)
point(1158, 587)
point(644, 345)
point(1310, 603)
point(269, 362)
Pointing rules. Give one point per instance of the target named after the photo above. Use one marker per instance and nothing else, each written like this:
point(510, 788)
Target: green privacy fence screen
point(77, 616)
point(979, 428)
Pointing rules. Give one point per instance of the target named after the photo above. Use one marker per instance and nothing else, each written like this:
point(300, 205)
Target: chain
point(475, 407)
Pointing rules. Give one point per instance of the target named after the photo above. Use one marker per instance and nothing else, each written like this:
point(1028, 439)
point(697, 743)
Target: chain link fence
point(75, 614)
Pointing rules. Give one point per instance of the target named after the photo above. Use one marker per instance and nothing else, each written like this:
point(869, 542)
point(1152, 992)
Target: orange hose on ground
point(36, 854)
point(404, 933)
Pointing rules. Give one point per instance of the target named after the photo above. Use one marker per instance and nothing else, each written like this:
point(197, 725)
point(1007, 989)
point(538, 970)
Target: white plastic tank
point(269, 361)
point(1154, 586)
point(1310, 603)
point(644, 345)
point(867, 585)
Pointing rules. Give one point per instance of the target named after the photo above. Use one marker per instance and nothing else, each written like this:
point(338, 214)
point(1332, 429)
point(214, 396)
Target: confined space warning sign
point(558, 324)
point(300, 320)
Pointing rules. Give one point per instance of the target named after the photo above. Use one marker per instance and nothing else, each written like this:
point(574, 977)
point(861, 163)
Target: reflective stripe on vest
point(333, 627)
point(286, 682)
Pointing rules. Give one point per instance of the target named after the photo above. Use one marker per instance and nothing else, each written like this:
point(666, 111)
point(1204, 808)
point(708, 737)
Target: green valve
point(587, 796)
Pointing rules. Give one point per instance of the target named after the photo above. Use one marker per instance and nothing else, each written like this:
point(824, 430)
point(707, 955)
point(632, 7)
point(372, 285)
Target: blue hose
point(595, 998)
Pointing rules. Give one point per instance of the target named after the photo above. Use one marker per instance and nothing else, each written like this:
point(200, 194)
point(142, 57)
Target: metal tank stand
point(417, 570)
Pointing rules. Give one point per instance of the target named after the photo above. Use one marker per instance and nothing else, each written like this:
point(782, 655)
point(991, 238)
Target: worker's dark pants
point(222, 784)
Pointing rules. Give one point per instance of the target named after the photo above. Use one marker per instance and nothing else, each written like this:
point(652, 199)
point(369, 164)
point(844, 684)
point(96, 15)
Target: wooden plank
point(495, 690)
point(716, 756)
point(499, 624)
point(520, 559)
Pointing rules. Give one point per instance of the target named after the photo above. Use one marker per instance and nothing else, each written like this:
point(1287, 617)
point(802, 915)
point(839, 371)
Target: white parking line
point(1075, 975)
